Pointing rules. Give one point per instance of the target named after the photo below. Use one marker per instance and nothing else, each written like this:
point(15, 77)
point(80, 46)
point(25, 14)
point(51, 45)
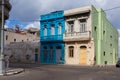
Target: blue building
point(51, 38)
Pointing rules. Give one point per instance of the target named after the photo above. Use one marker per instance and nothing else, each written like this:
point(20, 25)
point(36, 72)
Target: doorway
point(83, 55)
point(58, 55)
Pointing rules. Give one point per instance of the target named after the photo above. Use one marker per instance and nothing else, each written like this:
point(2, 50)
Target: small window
point(111, 45)
point(110, 36)
point(110, 53)
point(36, 50)
point(104, 53)
point(103, 32)
point(95, 28)
point(71, 51)
point(27, 39)
point(14, 40)
point(105, 62)
point(6, 37)
point(22, 40)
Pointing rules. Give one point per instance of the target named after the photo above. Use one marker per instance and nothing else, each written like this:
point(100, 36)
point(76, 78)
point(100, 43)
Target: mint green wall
point(105, 38)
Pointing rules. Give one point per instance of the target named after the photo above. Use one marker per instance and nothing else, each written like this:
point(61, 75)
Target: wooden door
point(83, 55)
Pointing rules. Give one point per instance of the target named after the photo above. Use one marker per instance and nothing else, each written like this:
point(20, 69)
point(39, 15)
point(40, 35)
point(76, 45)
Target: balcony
point(51, 38)
point(77, 36)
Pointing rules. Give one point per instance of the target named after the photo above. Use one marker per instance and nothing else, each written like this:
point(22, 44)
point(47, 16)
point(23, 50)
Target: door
point(83, 55)
point(36, 57)
point(58, 55)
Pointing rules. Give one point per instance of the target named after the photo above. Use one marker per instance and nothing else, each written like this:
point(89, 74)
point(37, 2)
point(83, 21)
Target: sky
point(26, 13)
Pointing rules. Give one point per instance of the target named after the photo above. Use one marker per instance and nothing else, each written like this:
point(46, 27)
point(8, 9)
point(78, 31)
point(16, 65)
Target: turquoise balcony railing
point(52, 38)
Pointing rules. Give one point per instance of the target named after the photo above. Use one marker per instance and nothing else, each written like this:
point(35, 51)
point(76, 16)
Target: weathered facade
point(89, 38)
point(79, 46)
point(22, 45)
point(24, 52)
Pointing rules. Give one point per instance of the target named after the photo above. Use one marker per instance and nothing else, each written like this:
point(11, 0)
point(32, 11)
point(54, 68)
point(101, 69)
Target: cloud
point(30, 10)
point(33, 25)
point(5, 26)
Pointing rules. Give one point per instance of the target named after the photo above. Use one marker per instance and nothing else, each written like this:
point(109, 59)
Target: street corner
point(13, 71)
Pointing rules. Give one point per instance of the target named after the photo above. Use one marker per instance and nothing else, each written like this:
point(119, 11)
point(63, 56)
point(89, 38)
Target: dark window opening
point(104, 53)
point(105, 62)
point(6, 37)
point(14, 40)
point(103, 32)
point(36, 50)
point(95, 28)
point(111, 36)
point(71, 51)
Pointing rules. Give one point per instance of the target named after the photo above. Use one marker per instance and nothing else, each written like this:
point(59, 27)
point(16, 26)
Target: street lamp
point(2, 66)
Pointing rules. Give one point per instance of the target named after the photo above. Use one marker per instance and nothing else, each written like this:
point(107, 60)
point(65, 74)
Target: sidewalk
point(13, 71)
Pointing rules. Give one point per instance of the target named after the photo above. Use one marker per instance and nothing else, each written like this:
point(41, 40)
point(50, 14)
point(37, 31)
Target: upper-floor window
point(83, 25)
point(52, 30)
point(45, 30)
point(70, 26)
point(59, 29)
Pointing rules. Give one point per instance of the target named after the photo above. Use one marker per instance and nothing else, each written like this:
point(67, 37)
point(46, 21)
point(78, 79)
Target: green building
point(105, 38)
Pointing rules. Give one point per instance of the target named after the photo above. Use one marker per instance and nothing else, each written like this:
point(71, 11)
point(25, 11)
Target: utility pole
point(2, 65)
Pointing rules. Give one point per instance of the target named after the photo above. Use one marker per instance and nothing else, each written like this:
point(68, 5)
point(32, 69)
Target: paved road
point(64, 72)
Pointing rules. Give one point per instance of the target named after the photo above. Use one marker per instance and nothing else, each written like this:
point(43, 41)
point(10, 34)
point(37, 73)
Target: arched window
point(71, 51)
point(45, 30)
point(52, 29)
point(83, 47)
point(59, 29)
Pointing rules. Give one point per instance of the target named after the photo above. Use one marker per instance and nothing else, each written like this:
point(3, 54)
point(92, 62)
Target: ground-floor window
point(71, 51)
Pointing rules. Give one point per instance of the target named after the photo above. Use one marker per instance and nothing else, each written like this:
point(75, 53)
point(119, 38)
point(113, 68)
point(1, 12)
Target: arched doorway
point(83, 55)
